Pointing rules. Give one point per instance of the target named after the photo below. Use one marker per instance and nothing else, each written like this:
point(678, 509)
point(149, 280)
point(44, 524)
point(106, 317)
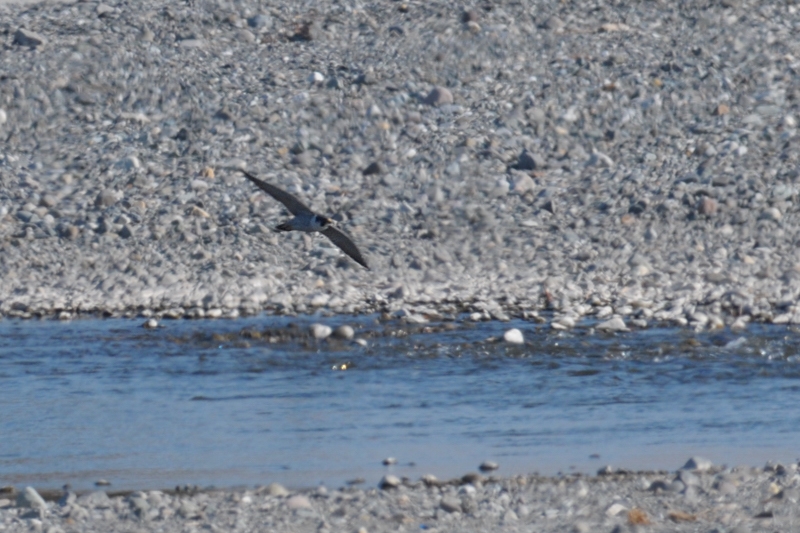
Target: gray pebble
point(439, 96)
point(488, 466)
point(29, 38)
point(451, 504)
point(344, 332)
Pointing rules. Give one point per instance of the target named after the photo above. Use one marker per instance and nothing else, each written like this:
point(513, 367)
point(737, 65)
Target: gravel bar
point(697, 498)
point(633, 161)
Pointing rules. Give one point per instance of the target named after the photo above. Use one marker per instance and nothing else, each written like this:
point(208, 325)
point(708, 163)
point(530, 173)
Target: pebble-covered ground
point(637, 159)
point(698, 498)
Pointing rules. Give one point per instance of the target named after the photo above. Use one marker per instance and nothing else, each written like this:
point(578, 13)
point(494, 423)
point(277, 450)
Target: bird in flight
point(307, 220)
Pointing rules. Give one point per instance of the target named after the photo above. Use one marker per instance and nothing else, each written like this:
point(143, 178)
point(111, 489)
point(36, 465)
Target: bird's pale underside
point(307, 220)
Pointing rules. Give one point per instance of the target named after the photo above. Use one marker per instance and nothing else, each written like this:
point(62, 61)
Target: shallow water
point(210, 403)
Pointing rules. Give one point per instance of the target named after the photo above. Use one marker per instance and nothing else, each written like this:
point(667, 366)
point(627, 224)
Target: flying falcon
point(307, 220)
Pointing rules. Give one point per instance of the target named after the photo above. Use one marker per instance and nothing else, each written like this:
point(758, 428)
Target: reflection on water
point(258, 400)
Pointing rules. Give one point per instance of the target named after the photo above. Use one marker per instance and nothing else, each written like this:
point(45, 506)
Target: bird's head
point(324, 221)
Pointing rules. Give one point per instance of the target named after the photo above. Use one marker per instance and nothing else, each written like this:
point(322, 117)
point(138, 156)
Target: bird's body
point(308, 221)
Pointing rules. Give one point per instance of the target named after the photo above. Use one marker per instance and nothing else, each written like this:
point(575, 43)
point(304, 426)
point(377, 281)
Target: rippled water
point(222, 403)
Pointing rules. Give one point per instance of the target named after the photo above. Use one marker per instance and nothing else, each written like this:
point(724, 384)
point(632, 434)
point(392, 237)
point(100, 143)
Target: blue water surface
point(207, 402)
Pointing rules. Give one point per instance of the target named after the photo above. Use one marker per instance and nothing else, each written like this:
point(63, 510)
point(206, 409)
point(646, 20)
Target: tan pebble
point(208, 172)
point(708, 206)
point(198, 212)
point(282, 151)
point(722, 109)
point(637, 517)
point(680, 516)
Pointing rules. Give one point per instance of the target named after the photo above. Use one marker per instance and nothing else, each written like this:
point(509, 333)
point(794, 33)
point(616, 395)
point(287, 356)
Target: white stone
point(612, 324)
point(615, 509)
point(321, 331)
point(298, 501)
point(30, 498)
point(513, 336)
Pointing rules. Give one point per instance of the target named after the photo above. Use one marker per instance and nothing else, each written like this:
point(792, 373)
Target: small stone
point(29, 498)
point(260, 22)
point(125, 232)
point(698, 463)
point(469, 16)
point(389, 461)
point(316, 78)
point(605, 471)
point(581, 527)
point(524, 184)
point(513, 336)
point(103, 10)
point(771, 213)
point(321, 331)
point(488, 466)
point(102, 483)
point(373, 169)
point(554, 23)
point(615, 509)
point(722, 109)
point(128, 163)
point(613, 324)
point(526, 161)
point(24, 37)
point(389, 481)
point(138, 503)
point(3, 116)
point(94, 500)
point(105, 198)
point(344, 332)
point(708, 206)
point(298, 501)
point(276, 489)
point(450, 504)
point(430, 480)
point(150, 323)
point(637, 517)
point(439, 96)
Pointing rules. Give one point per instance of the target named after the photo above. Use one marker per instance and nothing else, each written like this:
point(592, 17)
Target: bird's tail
point(283, 227)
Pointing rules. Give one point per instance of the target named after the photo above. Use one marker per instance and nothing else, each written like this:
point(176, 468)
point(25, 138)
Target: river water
point(254, 400)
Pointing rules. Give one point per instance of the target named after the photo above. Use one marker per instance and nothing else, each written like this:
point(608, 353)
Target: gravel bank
point(638, 162)
point(709, 499)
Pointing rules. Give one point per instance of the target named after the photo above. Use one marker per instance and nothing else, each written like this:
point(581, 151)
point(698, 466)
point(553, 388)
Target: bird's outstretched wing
point(340, 239)
point(295, 206)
